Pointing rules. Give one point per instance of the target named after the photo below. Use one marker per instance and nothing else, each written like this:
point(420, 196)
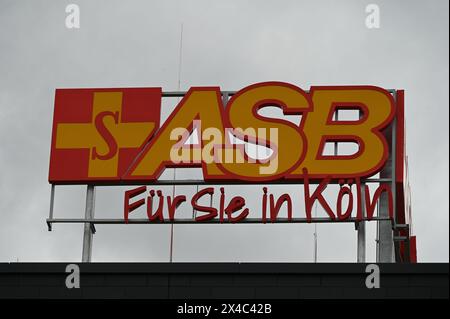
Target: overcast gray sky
point(230, 44)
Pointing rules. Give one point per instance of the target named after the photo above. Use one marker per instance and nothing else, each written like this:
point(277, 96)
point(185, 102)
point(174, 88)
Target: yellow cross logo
point(104, 136)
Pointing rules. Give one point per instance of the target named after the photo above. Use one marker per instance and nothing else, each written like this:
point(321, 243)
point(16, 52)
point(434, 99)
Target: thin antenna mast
point(315, 234)
point(180, 60)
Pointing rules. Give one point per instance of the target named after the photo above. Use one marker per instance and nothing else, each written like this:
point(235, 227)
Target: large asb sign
point(114, 136)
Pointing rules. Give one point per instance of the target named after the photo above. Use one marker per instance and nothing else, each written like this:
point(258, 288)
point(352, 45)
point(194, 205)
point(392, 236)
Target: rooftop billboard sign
point(115, 136)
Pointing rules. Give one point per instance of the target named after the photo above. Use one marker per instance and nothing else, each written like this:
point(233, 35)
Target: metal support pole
point(385, 233)
point(361, 248)
point(361, 226)
point(52, 204)
point(386, 236)
point(377, 236)
point(88, 231)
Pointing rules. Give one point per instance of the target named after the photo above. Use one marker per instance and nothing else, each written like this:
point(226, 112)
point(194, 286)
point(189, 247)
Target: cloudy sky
point(230, 44)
